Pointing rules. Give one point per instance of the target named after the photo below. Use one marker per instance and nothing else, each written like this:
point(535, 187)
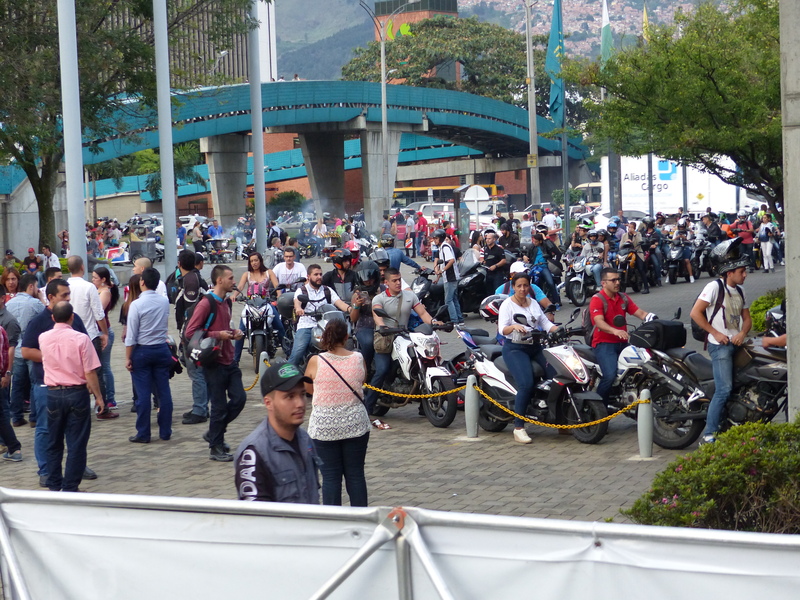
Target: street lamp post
point(533, 133)
point(381, 28)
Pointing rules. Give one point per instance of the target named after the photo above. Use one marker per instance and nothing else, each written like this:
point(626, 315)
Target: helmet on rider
point(439, 234)
point(586, 224)
point(542, 228)
point(592, 233)
point(490, 307)
point(649, 222)
point(727, 256)
point(387, 240)
point(341, 258)
point(602, 232)
point(741, 214)
point(612, 226)
point(683, 223)
point(381, 257)
point(368, 276)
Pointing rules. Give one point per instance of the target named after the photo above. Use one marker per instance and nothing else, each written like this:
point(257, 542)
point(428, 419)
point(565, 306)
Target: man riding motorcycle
point(341, 278)
point(652, 239)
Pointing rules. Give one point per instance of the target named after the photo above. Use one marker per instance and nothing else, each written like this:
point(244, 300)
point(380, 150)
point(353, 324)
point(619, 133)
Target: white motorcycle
point(418, 368)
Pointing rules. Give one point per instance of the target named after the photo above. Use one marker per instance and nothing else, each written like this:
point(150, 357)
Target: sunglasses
point(615, 280)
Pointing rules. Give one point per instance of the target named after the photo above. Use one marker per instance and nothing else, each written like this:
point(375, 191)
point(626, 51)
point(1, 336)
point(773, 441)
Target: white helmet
point(517, 267)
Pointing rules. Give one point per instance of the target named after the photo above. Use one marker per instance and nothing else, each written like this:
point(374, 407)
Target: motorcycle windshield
point(468, 261)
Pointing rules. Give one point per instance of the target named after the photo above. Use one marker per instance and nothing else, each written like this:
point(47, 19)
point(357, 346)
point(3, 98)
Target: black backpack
point(698, 332)
point(174, 285)
point(586, 316)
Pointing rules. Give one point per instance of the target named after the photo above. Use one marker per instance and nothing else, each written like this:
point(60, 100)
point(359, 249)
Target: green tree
point(290, 200)
point(185, 157)
point(703, 92)
point(116, 61)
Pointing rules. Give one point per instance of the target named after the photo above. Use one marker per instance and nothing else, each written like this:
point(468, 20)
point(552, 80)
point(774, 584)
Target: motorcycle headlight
point(574, 364)
point(417, 288)
point(430, 347)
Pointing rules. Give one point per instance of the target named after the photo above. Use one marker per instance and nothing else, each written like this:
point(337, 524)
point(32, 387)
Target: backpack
point(698, 332)
point(586, 317)
point(174, 285)
point(203, 354)
point(325, 289)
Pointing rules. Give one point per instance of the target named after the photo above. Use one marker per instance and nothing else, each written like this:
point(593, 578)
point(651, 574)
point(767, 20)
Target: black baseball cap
point(282, 377)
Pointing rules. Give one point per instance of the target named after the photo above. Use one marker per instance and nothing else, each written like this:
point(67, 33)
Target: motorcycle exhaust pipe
point(659, 375)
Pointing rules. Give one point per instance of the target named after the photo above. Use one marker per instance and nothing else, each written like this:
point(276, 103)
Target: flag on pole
point(552, 65)
point(606, 38)
point(645, 24)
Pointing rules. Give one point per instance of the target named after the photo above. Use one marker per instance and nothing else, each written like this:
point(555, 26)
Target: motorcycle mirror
point(575, 314)
point(381, 313)
point(521, 319)
point(303, 300)
point(619, 321)
point(677, 314)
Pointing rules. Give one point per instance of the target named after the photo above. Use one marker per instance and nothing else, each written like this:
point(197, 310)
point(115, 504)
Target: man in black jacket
point(277, 462)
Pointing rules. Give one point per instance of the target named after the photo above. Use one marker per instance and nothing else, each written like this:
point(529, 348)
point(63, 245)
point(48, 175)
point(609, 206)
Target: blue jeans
point(105, 369)
point(42, 435)
point(722, 365)
point(596, 270)
point(199, 389)
point(21, 389)
point(518, 358)
point(302, 340)
point(222, 379)
point(6, 431)
point(150, 374)
point(418, 241)
point(343, 458)
point(657, 264)
point(550, 288)
point(383, 364)
point(366, 345)
point(607, 354)
point(451, 300)
point(69, 412)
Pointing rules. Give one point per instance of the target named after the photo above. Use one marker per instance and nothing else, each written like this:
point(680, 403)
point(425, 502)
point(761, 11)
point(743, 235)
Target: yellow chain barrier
point(247, 389)
point(552, 425)
point(388, 393)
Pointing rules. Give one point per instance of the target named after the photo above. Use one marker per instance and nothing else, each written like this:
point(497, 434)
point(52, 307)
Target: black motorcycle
point(675, 265)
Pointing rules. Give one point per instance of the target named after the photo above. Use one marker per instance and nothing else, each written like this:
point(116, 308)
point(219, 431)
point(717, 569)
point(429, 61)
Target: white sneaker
point(521, 436)
point(691, 279)
point(783, 263)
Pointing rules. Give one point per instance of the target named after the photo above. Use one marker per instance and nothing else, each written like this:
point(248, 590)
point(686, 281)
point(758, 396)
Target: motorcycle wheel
point(696, 269)
point(673, 435)
point(593, 410)
point(488, 423)
point(380, 411)
point(441, 410)
point(673, 276)
point(636, 285)
point(258, 348)
point(576, 293)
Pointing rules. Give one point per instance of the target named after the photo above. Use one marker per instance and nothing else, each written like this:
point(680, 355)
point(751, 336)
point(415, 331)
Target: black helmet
point(368, 276)
point(439, 233)
point(206, 353)
point(592, 233)
point(341, 257)
point(727, 256)
point(387, 240)
point(649, 222)
point(381, 257)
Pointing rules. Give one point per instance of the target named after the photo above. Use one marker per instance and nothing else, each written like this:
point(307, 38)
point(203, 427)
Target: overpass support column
point(375, 202)
point(226, 156)
point(323, 153)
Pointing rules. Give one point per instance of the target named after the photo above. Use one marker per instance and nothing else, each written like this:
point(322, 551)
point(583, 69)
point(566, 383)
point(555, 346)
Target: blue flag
point(552, 65)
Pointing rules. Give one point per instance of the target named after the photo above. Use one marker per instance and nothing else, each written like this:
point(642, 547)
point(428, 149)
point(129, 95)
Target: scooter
point(562, 395)
point(675, 265)
point(418, 368)
point(581, 285)
point(701, 257)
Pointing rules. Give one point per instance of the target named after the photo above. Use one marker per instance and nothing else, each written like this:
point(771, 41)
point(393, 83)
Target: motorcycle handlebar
point(391, 330)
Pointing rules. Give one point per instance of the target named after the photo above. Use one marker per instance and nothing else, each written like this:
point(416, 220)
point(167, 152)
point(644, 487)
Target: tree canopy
point(116, 61)
point(699, 92)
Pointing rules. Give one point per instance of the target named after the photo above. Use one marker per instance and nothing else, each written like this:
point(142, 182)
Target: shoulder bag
point(383, 343)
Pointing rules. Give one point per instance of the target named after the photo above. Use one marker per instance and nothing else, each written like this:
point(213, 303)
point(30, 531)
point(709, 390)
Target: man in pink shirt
point(422, 231)
point(69, 360)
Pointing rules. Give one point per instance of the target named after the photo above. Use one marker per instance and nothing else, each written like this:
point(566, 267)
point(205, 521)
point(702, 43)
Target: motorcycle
point(626, 260)
point(418, 368)
point(472, 284)
point(562, 395)
point(701, 257)
point(675, 265)
point(324, 315)
point(218, 252)
point(258, 315)
point(581, 286)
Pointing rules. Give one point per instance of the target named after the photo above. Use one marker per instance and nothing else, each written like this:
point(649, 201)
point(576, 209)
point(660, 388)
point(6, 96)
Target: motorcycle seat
point(492, 351)
point(500, 363)
point(585, 351)
point(700, 366)
point(679, 353)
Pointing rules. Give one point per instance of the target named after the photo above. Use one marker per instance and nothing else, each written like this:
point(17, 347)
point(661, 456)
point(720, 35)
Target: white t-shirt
point(86, 303)
point(448, 254)
point(550, 220)
point(288, 276)
point(533, 313)
point(316, 298)
point(736, 301)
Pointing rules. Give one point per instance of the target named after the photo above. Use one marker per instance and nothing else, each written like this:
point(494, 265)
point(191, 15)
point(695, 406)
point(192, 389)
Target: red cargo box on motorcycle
point(659, 335)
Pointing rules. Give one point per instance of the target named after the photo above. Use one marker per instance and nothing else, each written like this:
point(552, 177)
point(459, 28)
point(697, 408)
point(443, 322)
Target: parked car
point(601, 220)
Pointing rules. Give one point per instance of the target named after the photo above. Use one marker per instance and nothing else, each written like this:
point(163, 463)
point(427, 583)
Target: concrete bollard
point(262, 365)
point(472, 405)
point(644, 426)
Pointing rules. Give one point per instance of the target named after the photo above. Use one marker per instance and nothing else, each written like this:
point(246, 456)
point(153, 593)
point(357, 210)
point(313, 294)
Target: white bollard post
point(644, 426)
point(262, 364)
point(472, 405)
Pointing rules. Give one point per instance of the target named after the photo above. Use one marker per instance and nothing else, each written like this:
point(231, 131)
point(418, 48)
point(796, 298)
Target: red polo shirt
point(614, 309)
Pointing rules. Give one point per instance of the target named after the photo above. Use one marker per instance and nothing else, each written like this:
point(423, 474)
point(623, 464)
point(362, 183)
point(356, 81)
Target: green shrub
point(759, 308)
point(748, 480)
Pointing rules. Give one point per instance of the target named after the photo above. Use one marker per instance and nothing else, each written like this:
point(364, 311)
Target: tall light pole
point(381, 28)
point(533, 142)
